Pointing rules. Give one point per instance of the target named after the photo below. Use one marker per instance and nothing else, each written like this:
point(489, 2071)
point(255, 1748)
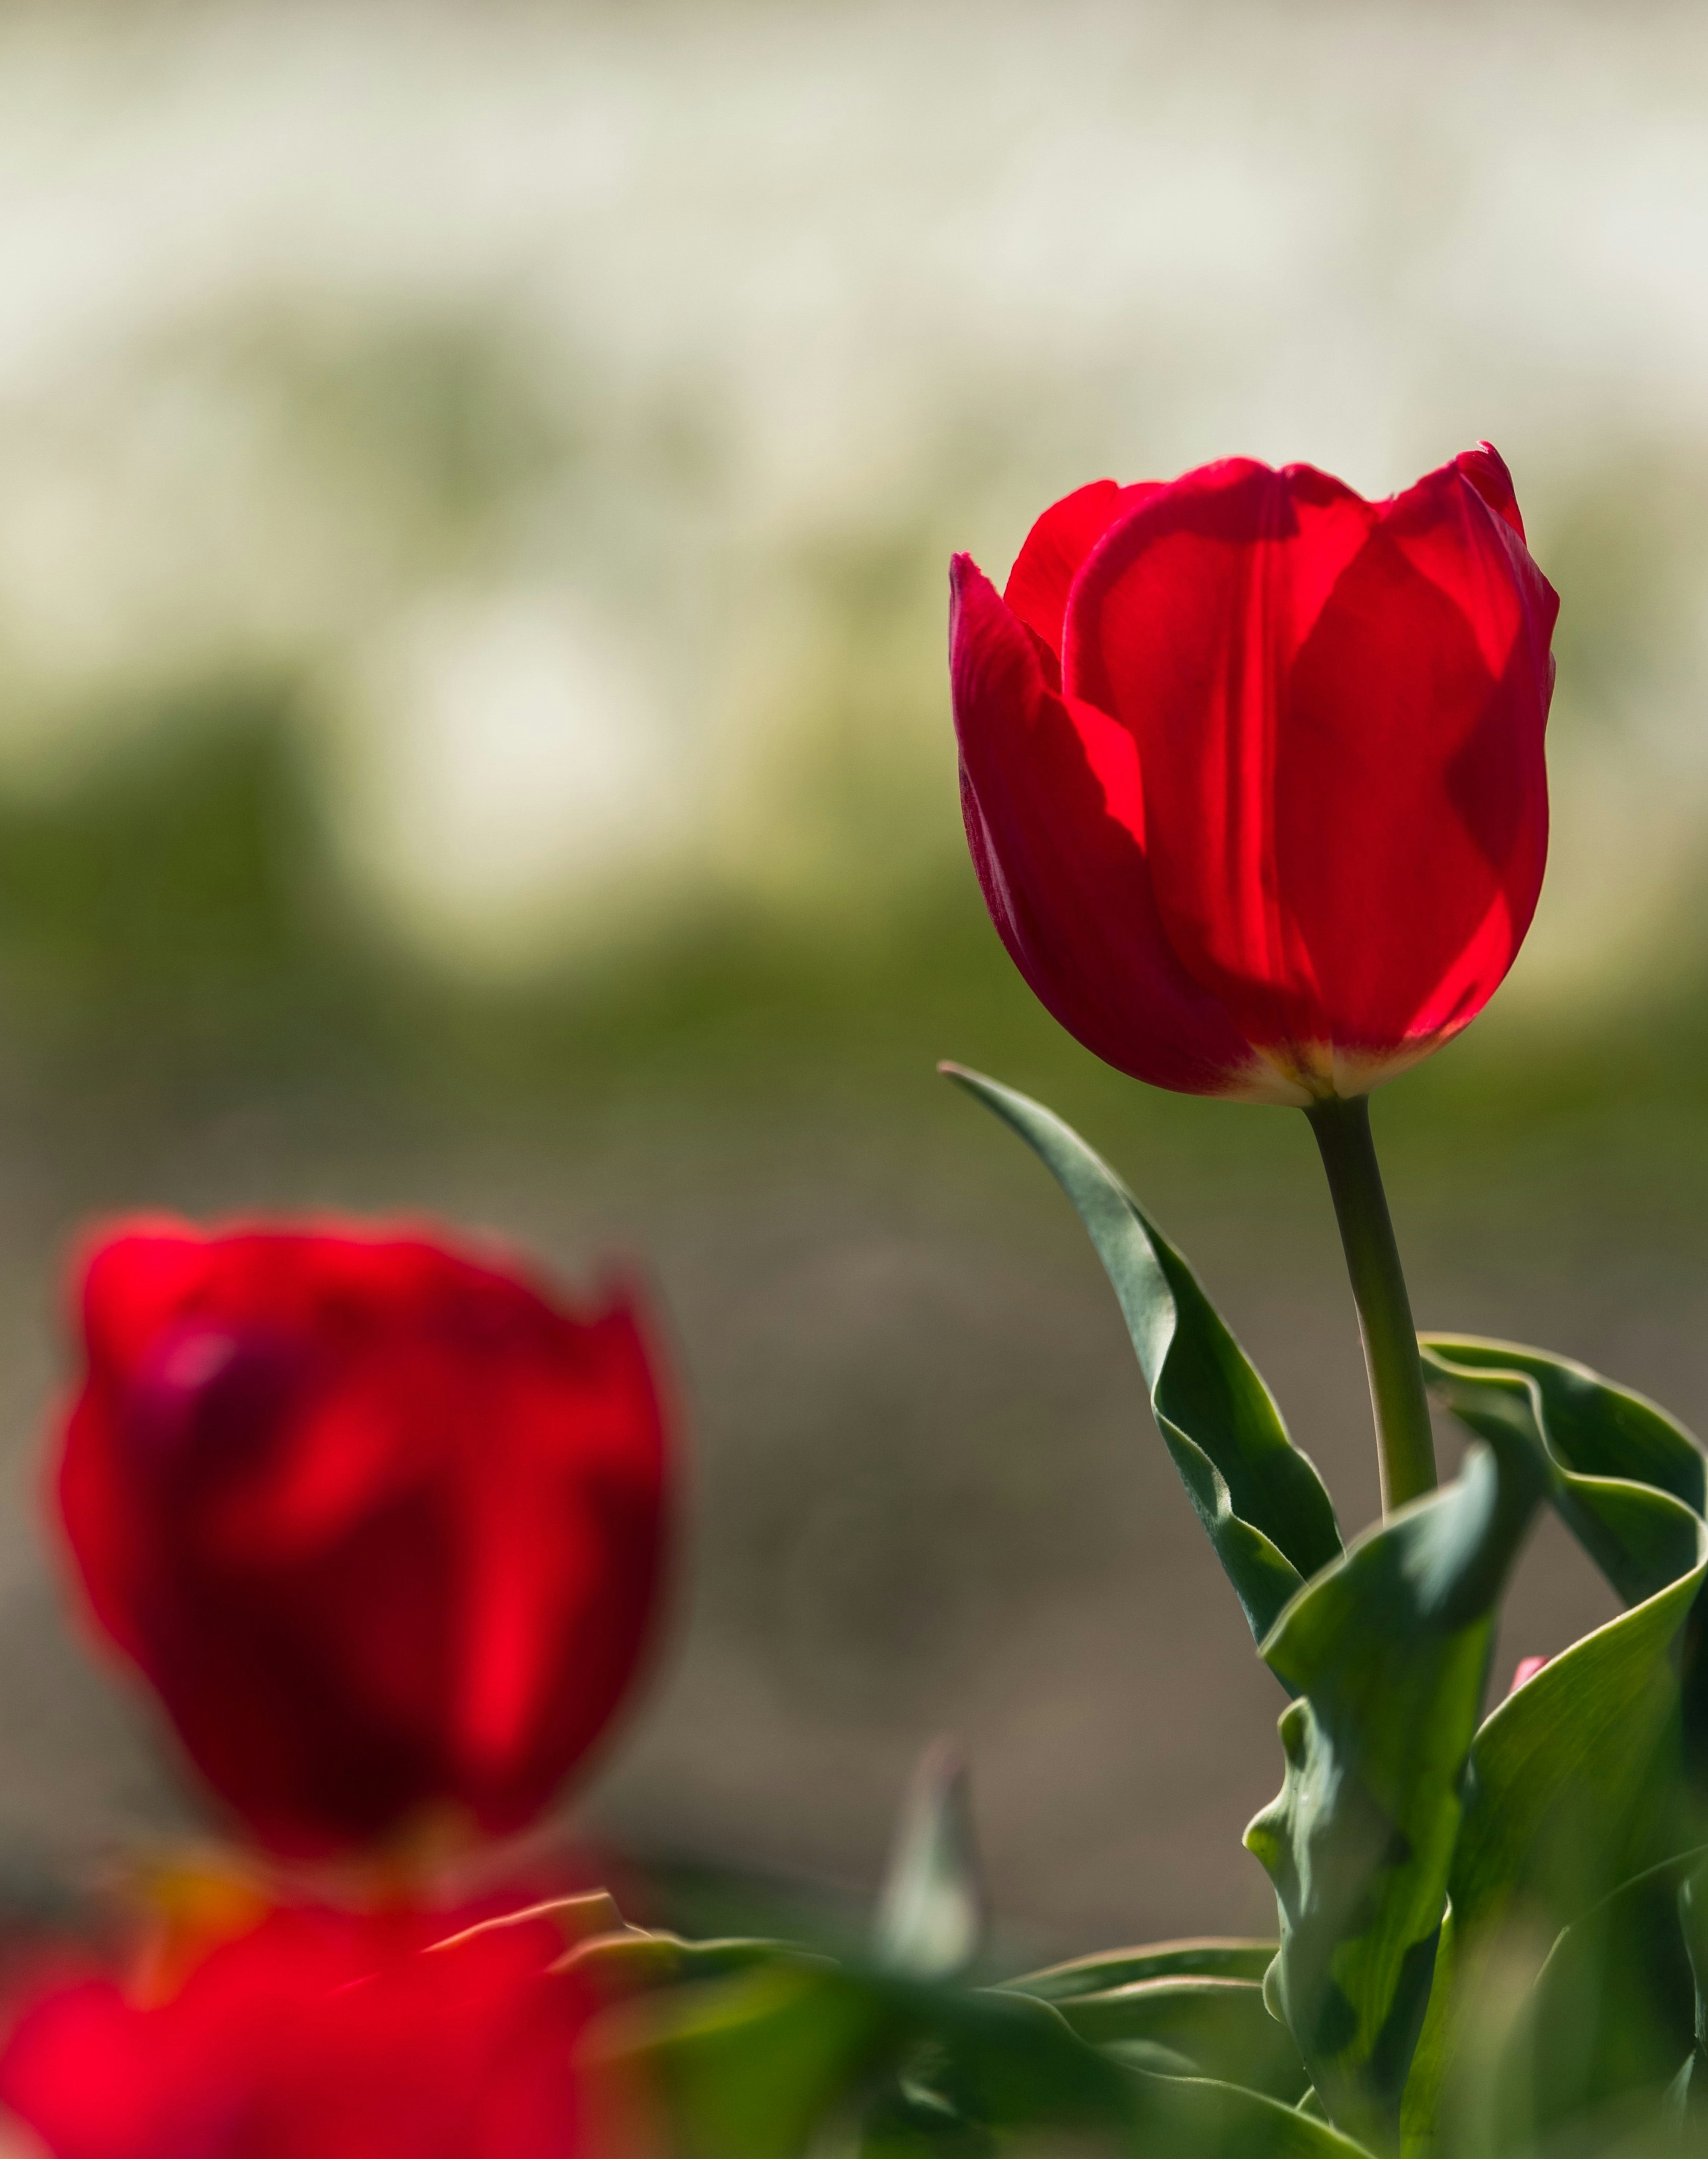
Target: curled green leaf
point(1625, 1478)
point(1577, 1779)
point(1260, 1499)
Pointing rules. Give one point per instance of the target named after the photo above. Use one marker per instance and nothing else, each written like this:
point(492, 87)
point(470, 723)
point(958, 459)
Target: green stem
point(1404, 1444)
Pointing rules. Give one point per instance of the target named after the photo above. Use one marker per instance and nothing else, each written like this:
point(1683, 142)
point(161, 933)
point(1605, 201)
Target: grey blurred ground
point(924, 1491)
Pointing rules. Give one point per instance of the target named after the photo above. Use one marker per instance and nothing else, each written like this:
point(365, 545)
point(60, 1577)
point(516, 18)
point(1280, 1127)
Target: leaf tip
point(930, 1918)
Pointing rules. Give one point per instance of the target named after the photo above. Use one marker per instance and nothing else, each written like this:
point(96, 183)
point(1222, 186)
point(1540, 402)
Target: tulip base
point(1405, 1441)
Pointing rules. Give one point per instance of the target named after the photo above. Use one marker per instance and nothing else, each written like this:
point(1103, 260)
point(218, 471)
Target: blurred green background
point(475, 489)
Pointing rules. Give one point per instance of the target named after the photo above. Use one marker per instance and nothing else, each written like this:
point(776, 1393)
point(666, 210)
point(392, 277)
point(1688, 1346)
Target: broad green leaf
point(1612, 2016)
point(1388, 1650)
point(1201, 2119)
point(1625, 1478)
point(1207, 1956)
point(1463, 2096)
point(751, 2066)
point(1434, 2056)
point(1576, 1787)
point(1689, 2093)
point(1010, 2062)
point(930, 1916)
point(1196, 2027)
point(1028, 2072)
point(1266, 1510)
point(1559, 2039)
point(1576, 1781)
point(1027, 2077)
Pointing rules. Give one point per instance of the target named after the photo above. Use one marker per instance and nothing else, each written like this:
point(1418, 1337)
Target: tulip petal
point(1486, 470)
point(1337, 712)
point(1182, 626)
point(1049, 791)
point(1411, 809)
point(1049, 560)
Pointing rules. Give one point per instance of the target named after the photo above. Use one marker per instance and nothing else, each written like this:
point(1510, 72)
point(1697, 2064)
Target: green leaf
point(1613, 2012)
point(757, 2067)
point(1388, 1651)
point(930, 1916)
point(1265, 1508)
point(1691, 2092)
point(1557, 2039)
point(1207, 1956)
point(1577, 1779)
point(1194, 2026)
point(634, 1958)
point(751, 2066)
point(1202, 2118)
point(1028, 2072)
point(1010, 2062)
point(1627, 1479)
point(804, 2055)
point(1576, 1786)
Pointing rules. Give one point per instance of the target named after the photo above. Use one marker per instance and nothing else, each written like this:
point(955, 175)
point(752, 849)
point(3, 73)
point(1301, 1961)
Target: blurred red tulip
point(1252, 768)
point(380, 1521)
point(318, 2035)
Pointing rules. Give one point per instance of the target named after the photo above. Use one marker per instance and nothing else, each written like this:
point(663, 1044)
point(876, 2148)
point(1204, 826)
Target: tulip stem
point(1404, 1444)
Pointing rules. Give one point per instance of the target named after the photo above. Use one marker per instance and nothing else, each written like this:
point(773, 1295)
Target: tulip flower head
point(320, 2035)
point(380, 1521)
point(1252, 768)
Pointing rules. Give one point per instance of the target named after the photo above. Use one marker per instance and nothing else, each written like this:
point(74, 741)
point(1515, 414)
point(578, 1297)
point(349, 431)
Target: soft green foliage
point(1492, 1934)
point(1266, 1509)
point(807, 2055)
point(1625, 1477)
point(1582, 1807)
point(752, 2065)
point(1580, 1776)
point(1418, 1858)
point(1195, 2028)
point(1188, 2008)
point(1611, 2016)
point(1388, 1650)
point(1692, 2086)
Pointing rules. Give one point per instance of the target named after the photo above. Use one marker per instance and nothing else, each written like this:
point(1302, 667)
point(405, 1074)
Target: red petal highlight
point(1048, 791)
point(1049, 560)
point(1485, 468)
point(1183, 625)
point(1319, 723)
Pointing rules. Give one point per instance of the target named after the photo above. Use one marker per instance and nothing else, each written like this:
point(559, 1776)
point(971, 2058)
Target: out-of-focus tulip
point(318, 2035)
point(380, 1520)
point(1252, 768)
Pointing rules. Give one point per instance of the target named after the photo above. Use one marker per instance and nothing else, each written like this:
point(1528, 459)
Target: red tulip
point(380, 1521)
point(318, 2035)
point(1252, 768)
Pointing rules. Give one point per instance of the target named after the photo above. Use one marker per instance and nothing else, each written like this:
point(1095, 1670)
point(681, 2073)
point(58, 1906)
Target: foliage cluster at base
point(1491, 1931)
